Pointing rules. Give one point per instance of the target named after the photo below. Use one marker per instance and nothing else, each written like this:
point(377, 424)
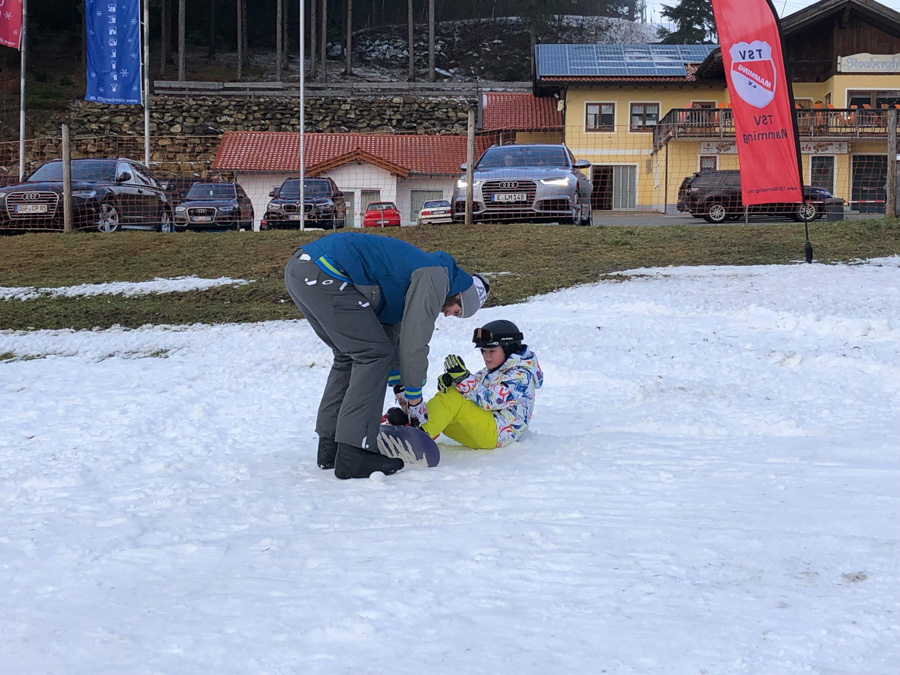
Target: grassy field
point(526, 260)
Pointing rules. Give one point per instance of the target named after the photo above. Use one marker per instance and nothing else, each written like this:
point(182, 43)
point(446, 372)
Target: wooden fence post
point(67, 180)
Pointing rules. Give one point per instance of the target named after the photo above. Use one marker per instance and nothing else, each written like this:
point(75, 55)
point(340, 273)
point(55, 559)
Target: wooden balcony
point(816, 124)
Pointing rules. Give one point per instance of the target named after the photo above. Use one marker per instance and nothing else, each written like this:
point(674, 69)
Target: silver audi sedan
point(527, 183)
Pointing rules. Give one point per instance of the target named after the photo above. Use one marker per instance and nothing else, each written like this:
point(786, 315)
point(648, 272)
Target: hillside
point(469, 50)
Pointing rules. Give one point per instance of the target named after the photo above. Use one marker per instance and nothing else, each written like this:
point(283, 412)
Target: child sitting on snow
point(492, 407)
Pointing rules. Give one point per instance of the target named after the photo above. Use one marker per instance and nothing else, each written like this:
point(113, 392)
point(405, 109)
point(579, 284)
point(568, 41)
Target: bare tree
point(240, 40)
point(348, 68)
point(431, 77)
point(323, 48)
point(412, 61)
point(279, 36)
point(212, 29)
point(313, 31)
point(164, 45)
point(181, 42)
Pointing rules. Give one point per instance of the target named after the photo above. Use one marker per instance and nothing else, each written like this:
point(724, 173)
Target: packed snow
point(128, 289)
point(709, 485)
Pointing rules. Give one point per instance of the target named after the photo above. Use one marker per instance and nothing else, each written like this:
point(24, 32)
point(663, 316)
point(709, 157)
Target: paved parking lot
point(656, 219)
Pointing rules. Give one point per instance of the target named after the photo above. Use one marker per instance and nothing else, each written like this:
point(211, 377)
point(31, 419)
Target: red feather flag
point(761, 101)
point(11, 23)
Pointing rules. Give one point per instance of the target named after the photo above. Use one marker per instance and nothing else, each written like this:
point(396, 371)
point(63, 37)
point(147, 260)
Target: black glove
point(456, 368)
point(445, 381)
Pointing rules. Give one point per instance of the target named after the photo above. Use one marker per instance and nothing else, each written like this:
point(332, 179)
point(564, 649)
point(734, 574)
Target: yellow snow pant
point(453, 415)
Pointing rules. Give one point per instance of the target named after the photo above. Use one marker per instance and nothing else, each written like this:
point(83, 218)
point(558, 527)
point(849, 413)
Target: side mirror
point(271, 193)
point(582, 164)
point(462, 167)
point(123, 177)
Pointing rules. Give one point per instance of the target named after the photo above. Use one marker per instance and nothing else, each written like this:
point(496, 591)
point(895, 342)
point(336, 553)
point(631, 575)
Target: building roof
point(504, 111)
point(276, 151)
point(884, 17)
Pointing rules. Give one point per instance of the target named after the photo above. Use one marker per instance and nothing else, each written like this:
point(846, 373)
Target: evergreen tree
point(696, 23)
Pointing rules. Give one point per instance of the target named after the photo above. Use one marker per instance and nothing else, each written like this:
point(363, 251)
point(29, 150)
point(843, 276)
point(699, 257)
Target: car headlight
point(226, 208)
point(565, 181)
point(84, 194)
point(461, 184)
point(274, 207)
point(180, 209)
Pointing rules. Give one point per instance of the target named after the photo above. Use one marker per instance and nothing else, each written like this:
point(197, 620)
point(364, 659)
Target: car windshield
point(203, 191)
point(380, 206)
point(523, 156)
point(435, 205)
point(82, 169)
point(311, 187)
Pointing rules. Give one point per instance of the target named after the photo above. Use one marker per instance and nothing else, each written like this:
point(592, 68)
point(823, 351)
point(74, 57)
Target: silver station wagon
point(527, 183)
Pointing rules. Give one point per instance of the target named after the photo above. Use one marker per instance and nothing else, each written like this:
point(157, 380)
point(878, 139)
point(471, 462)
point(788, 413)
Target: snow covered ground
point(710, 485)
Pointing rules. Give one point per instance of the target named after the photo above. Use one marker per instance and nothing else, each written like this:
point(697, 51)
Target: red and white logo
point(753, 72)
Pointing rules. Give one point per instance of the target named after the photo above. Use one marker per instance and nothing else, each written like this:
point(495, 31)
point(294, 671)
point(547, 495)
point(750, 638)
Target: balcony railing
point(821, 124)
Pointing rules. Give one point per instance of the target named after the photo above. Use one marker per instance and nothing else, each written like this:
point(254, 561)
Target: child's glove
point(455, 368)
point(418, 414)
point(445, 381)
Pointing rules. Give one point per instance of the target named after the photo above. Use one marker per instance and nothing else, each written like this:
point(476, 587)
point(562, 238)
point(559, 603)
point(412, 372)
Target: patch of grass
point(524, 260)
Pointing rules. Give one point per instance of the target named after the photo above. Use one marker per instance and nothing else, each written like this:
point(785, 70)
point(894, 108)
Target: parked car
point(540, 182)
point(215, 206)
point(107, 194)
point(435, 212)
point(715, 196)
point(323, 205)
point(381, 214)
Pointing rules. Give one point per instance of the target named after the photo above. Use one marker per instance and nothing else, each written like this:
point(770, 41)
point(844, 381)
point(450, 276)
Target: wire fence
point(570, 174)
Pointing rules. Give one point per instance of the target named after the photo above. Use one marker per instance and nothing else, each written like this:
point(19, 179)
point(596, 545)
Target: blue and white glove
point(455, 368)
point(418, 414)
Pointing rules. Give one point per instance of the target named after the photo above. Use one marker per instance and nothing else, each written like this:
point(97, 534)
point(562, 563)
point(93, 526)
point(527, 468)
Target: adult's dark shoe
point(327, 451)
point(353, 462)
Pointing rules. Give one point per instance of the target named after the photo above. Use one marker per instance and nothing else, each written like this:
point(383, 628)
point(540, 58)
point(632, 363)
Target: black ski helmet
point(500, 333)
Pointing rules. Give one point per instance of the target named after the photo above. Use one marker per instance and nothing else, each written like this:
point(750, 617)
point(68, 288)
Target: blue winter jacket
point(405, 285)
point(373, 260)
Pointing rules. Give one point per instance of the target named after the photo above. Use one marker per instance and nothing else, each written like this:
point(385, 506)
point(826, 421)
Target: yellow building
point(648, 115)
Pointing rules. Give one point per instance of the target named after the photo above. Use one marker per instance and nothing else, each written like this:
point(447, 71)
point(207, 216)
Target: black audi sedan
point(107, 195)
point(215, 206)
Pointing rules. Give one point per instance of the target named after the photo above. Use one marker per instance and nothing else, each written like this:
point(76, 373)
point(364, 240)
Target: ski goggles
point(484, 338)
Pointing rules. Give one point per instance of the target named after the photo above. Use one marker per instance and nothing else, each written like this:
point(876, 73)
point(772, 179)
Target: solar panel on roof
point(618, 60)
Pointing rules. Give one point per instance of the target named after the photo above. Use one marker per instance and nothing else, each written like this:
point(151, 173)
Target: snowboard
point(412, 445)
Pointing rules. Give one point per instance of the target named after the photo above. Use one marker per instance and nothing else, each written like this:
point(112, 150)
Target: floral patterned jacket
point(508, 392)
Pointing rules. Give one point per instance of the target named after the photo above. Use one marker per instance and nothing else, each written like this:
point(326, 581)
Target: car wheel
point(806, 212)
point(577, 210)
point(166, 223)
point(108, 220)
point(715, 213)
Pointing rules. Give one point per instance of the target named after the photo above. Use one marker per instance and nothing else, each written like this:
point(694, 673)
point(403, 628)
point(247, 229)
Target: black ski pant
point(350, 410)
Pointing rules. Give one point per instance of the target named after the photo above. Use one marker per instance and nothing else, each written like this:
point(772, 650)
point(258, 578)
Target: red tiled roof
point(508, 111)
point(280, 151)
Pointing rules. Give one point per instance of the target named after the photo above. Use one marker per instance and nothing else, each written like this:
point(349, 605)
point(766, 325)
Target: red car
point(381, 214)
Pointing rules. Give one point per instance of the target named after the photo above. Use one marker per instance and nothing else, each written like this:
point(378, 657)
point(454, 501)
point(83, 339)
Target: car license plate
point(31, 208)
point(295, 216)
point(201, 219)
point(511, 197)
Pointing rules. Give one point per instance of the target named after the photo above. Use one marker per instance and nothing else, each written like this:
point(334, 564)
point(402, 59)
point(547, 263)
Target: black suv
point(323, 205)
point(716, 197)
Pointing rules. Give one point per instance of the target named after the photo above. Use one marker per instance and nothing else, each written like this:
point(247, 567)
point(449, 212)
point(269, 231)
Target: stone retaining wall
point(185, 131)
point(195, 116)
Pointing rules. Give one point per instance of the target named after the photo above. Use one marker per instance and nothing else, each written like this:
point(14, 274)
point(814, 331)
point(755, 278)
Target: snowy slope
point(709, 486)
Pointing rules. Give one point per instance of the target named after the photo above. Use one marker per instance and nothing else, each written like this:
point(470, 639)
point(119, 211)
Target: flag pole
point(302, 82)
point(22, 91)
point(147, 83)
